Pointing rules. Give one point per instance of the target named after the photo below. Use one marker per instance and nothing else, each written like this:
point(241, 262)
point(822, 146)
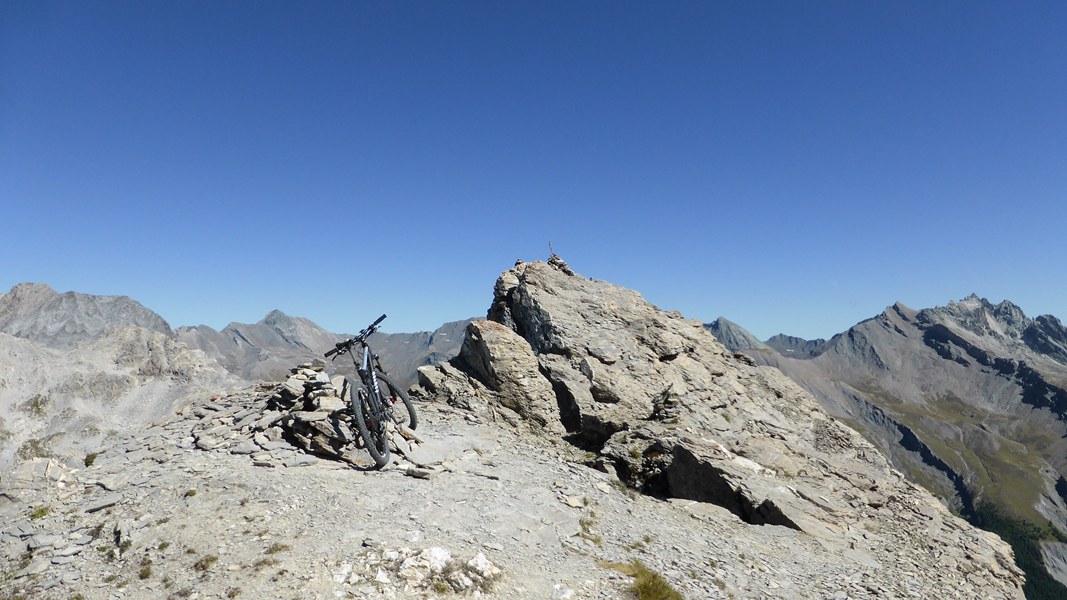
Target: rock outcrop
point(672, 413)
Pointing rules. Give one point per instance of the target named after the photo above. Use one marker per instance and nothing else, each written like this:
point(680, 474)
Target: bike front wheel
point(403, 410)
point(367, 414)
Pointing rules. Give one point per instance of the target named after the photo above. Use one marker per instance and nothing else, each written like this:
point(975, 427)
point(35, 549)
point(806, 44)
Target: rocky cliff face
point(665, 408)
point(969, 399)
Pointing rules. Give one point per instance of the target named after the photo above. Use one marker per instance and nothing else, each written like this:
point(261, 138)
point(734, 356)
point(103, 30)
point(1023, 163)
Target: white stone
point(481, 566)
point(342, 574)
point(437, 558)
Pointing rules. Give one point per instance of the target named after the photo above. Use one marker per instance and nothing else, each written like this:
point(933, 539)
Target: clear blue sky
point(793, 166)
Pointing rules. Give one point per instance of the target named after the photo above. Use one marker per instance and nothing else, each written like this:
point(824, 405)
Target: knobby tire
point(375, 432)
point(398, 396)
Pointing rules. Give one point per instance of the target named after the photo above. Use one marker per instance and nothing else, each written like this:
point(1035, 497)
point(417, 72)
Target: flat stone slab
point(244, 447)
point(300, 461)
point(42, 539)
point(102, 503)
point(436, 450)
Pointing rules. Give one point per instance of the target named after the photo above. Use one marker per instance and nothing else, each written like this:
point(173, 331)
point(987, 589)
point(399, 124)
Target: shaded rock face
point(671, 412)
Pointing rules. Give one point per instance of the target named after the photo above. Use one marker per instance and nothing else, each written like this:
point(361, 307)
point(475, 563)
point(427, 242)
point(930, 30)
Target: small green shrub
point(145, 572)
point(190, 493)
point(90, 458)
point(647, 585)
point(277, 547)
point(33, 448)
point(588, 531)
point(263, 563)
point(39, 512)
point(205, 563)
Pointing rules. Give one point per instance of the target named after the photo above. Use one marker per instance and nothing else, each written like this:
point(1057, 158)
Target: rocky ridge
point(746, 488)
point(665, 408)
point(970, 399)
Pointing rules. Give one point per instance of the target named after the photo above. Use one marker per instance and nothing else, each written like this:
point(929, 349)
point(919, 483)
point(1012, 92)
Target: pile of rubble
point(417, 571)
point(308, 411)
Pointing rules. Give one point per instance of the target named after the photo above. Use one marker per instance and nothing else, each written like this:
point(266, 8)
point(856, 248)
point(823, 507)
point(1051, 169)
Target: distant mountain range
point(268, 349)
point(77, 369)
point(969, 399)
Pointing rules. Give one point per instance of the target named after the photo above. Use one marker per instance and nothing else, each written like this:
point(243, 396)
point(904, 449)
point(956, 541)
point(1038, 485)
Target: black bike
point(373, 400)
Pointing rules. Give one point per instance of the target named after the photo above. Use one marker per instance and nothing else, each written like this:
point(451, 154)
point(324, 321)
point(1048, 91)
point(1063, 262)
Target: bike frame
point(371, 409)
point(366, 369)
point(367, 373)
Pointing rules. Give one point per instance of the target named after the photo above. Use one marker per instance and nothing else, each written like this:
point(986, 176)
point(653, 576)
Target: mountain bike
point(373, 399)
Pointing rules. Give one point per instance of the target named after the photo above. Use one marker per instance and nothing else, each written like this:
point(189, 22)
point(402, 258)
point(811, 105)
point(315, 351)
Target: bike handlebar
point(363, 335)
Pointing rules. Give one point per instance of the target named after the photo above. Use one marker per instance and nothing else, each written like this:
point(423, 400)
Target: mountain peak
point(732, 335)
point(276, 316)
point(978, 315)
point(36, 311)
point(29, 287)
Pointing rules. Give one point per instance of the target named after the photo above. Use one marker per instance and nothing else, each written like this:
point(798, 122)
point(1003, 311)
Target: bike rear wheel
point(402, 408)
point(367, 415)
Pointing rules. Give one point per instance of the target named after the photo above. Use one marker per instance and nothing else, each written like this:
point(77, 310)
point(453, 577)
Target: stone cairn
point(313, 414)
point(307, 412)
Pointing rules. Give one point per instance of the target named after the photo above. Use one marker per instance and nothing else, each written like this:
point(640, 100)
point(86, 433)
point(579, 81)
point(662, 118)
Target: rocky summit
point(581, 433)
